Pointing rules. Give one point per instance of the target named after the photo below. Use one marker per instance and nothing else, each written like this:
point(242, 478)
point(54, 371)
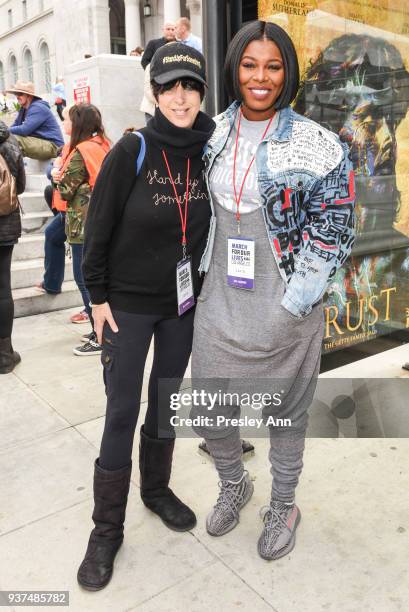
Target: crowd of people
point(215, 237)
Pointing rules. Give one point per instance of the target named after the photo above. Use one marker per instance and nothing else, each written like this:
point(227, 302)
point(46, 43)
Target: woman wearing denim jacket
point(282, 193)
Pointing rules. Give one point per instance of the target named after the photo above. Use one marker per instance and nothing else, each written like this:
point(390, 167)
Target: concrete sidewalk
point(352, 543)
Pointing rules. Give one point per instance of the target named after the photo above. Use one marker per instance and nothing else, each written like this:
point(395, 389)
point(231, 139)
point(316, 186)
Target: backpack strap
point(142, 152)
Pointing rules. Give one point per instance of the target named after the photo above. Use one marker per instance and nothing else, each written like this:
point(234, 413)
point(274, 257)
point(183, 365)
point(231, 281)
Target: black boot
point(8, 357)
point(110, 496)
point(155, 464)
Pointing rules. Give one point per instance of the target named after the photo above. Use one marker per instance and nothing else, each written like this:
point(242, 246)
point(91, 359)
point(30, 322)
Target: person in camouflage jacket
point(75, 182)
point(76, 190)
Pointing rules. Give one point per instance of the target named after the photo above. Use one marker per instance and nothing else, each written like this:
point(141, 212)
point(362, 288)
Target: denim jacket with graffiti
point(306, 185)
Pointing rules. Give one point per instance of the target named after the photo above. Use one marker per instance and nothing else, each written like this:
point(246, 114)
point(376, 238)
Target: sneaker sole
point(284, 551)
point(236, 521)
point(82, 354)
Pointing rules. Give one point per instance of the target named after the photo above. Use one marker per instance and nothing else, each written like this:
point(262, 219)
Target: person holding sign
point(145, 233)
point(282, 190)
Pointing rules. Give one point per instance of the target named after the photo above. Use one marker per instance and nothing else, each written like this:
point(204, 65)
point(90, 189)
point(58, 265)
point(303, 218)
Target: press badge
point(184, 284)
point(240, 263)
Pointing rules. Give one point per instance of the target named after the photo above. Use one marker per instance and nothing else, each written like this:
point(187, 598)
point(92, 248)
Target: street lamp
point(147, 10)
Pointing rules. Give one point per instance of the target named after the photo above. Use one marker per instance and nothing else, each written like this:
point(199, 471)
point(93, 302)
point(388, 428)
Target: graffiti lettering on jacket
point(317, 222)
point(311, 149)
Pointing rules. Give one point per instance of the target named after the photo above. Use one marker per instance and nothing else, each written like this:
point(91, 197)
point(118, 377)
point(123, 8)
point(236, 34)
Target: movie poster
point(354, 63)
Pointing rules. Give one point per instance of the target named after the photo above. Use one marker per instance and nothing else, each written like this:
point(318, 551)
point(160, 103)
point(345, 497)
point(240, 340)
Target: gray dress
point(242, 334)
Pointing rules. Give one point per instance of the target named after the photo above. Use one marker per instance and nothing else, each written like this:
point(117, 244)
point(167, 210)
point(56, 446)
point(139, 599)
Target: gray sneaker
point(232, 497)
point(278, 537)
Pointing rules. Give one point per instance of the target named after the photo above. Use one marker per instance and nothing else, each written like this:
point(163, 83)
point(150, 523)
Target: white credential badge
point(240, 262)
point(184, 284)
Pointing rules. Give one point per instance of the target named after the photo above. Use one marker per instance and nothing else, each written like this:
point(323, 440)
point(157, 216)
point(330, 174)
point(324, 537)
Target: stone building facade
point(39, 39)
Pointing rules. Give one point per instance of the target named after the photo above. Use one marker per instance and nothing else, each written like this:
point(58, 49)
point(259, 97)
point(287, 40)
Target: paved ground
point(352, 544)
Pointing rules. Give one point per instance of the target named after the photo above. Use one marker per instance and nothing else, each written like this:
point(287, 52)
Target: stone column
point(171, 10)
point(195, 9)
point(100, 27)
point(132, 25)
point(80, 27)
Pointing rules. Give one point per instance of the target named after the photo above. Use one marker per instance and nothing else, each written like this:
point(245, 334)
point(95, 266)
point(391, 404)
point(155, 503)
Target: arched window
point(28, 65)
point(13, 69)
point(2, 82)
point(45, 66)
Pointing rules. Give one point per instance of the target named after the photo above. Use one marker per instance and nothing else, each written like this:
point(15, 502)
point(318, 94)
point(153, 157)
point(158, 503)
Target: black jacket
point(10, 225)
point(152, 46)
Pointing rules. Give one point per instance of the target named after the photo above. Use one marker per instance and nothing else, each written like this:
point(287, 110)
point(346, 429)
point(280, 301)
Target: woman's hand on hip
point(100, 314)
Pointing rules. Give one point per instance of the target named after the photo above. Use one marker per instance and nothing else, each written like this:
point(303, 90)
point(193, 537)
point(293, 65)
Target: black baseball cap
point(177, 61)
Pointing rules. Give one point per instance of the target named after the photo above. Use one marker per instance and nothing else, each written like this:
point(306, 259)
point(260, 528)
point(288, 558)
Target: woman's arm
point(327, 238)
point(73, 176)
point(112, 188)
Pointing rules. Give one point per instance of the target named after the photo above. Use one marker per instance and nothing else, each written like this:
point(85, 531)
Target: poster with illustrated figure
point(354, 64)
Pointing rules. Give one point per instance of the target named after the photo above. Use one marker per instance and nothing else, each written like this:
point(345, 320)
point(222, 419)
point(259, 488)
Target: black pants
point(123, 357)
point(6, 299)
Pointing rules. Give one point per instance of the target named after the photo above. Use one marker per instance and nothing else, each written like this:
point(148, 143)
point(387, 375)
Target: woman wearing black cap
point(146, 231)
point(282, 189)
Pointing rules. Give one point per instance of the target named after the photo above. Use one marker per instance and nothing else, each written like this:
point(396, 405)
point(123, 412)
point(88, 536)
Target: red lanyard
point(238, 199)
point(183, 217)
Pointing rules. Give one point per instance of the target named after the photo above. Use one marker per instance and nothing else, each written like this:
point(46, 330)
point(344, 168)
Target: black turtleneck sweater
point(133, 230)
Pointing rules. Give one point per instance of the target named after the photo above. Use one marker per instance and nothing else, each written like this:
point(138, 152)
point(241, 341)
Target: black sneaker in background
point(89, 348)
point(87, 337)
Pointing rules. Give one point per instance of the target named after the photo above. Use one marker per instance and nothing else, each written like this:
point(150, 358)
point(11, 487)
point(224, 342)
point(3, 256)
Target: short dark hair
point(157, 89)
point(263, 30)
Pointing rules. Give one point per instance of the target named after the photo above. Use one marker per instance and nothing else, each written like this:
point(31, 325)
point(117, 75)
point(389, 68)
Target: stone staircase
point(28, 257)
